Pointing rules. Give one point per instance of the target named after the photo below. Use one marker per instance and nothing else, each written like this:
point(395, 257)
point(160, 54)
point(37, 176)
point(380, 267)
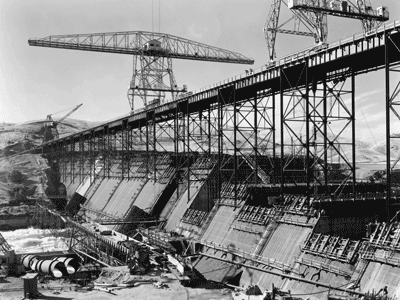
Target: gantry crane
point(50, 130)
point(312, 14)
point(153, 54)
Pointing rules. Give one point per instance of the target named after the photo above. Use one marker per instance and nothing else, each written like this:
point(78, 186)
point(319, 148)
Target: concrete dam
point(254, 229)
point(222, 179)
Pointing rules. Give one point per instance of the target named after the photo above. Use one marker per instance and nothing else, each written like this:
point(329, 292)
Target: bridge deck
point(362, 53)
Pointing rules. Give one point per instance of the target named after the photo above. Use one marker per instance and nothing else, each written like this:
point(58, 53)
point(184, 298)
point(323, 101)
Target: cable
point(152, 15)
point(370, 132)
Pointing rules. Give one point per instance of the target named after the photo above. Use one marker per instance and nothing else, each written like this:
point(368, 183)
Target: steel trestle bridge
point(254, 127)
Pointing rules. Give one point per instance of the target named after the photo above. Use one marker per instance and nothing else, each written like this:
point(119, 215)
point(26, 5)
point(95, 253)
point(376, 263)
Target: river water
point(33, 240)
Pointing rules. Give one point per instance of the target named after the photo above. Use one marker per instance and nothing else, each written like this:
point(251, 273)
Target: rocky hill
point(21, 175)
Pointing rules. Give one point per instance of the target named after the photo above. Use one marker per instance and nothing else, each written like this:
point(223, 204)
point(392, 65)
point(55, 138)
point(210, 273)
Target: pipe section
point(54, 268)
point(71, 264)
point(28, 260)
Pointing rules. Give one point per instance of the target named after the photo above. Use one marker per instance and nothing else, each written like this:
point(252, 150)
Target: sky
point(38, 81)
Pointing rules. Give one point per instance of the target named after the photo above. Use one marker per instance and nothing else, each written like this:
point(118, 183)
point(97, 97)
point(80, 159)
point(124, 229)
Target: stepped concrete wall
point(117, 197)
point(219, 226)
point(378, 275)
point(316, 275)
point(148, 195)
point(103, 194)
point(93, 187)
point(84, 187)
point(172, 202)
point(282, 246)
point(243, 236)
point(216, 270)
point(182, 204)
point(72, 186)
point(121, 199)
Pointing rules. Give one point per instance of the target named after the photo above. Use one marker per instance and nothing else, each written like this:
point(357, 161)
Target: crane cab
point(383, 11)
point(152, 45)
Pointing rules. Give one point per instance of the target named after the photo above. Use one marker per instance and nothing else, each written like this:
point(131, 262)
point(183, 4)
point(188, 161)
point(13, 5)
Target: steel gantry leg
point(255, 127)
point(181, 147)
point(318, 126)
point(332, 116)
point(227, 143)
point(392, 92)
point(124, 152)
point(164, 146)
point(295, 129)
point(188, 152)
point(245, 132)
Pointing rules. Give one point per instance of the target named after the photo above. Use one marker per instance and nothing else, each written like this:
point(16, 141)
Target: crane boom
point(134, 43)
point(152, 58)
point(49, 124)
point(68, 114)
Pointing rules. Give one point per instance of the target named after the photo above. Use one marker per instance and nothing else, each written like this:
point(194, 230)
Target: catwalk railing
point(242, 256)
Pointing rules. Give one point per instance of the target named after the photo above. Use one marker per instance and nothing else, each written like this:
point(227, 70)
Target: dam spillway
point(262, 212)
point(283, 236)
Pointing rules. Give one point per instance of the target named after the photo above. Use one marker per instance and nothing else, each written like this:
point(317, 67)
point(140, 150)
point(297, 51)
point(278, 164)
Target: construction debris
point(160, 285)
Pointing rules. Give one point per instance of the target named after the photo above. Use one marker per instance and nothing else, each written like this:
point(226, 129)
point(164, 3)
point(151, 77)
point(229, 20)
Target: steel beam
point(392, 104)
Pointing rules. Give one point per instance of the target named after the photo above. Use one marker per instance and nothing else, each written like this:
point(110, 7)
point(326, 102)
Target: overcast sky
point(38, 81)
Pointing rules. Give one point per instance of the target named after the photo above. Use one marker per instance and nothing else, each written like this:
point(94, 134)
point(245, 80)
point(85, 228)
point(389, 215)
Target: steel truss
point(240, 136)
point(234, 136)
point(153, 53)
point(316, 116)
point(309, 100)
point(81, 237)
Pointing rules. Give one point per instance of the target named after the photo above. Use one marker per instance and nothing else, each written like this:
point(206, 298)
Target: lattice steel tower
point(312, 14)
point(153, 54)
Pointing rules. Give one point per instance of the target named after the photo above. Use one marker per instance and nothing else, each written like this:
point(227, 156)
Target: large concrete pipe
point(70, 263)
point(28, 260)
point(51, 267)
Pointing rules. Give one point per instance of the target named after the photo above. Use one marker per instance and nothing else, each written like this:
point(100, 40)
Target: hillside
point(16, 138)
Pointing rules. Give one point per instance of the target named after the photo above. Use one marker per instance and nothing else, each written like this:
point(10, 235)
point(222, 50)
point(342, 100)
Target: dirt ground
point(138, 287)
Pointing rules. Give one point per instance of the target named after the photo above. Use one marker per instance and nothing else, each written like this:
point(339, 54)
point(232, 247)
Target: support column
point(235, 159)
point(308, 119)
point(154, 148)
point(219, 137)
point(325, 129)
point(353, 132)
point(255, 145)
point(188, 149)
point(388, 138)
point(282, 128)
